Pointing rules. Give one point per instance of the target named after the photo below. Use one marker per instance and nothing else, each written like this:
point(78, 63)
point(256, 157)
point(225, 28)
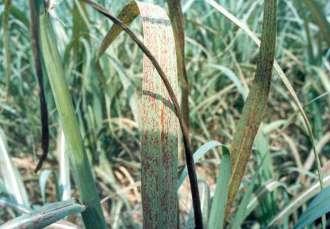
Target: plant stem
point(5, 20)
point(256, 103)
point(35, 40)
point(177, 20)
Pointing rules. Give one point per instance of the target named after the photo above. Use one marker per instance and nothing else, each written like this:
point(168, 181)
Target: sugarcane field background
point(165, 114)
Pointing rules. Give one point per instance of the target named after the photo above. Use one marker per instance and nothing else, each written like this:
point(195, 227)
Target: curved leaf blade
point(299, 201)
point(12, 180)
point(316, 209)
point(45, 216)
point(201, 152)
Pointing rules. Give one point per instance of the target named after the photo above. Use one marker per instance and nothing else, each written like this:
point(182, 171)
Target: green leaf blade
point(93, 216)
point(217, 213)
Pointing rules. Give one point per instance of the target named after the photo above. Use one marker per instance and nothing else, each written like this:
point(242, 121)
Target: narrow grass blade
point(64, 168)
point(11, 178)
point(232, 77)
point(44, 216)
point(320, 18)
point(242, 210)
point(19, 14)
point(186, 6)
point(269, 187)
point(79, 27)
point(300, 200)
point(204, 190)
point(217, 213)
point(93, 216)
point(201, 152)
point(316, 209)
point(129, 87)
point(43, 178)
point(6, 202)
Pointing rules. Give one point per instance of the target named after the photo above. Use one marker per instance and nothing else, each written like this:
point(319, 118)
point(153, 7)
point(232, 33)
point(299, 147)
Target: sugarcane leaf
point(217, 213)
point(45, 215)
point(82, 173)
point(318, 207)
point(300, 200)
point(43, 178)
point(12, 181)
point(201, 152)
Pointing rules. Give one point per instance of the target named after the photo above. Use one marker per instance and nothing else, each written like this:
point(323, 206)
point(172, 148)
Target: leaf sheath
point(256, 103)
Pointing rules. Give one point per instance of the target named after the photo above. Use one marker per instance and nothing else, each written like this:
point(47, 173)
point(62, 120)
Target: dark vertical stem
point(177, 20)
point(5, 20)
point(34, 29)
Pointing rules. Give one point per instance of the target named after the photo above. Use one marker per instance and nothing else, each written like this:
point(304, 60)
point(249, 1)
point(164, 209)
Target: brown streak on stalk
point(256, 103)
point(183, 126)
point(159, 128)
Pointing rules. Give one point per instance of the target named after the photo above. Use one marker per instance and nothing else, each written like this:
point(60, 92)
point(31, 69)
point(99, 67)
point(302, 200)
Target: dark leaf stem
point(34, 29)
